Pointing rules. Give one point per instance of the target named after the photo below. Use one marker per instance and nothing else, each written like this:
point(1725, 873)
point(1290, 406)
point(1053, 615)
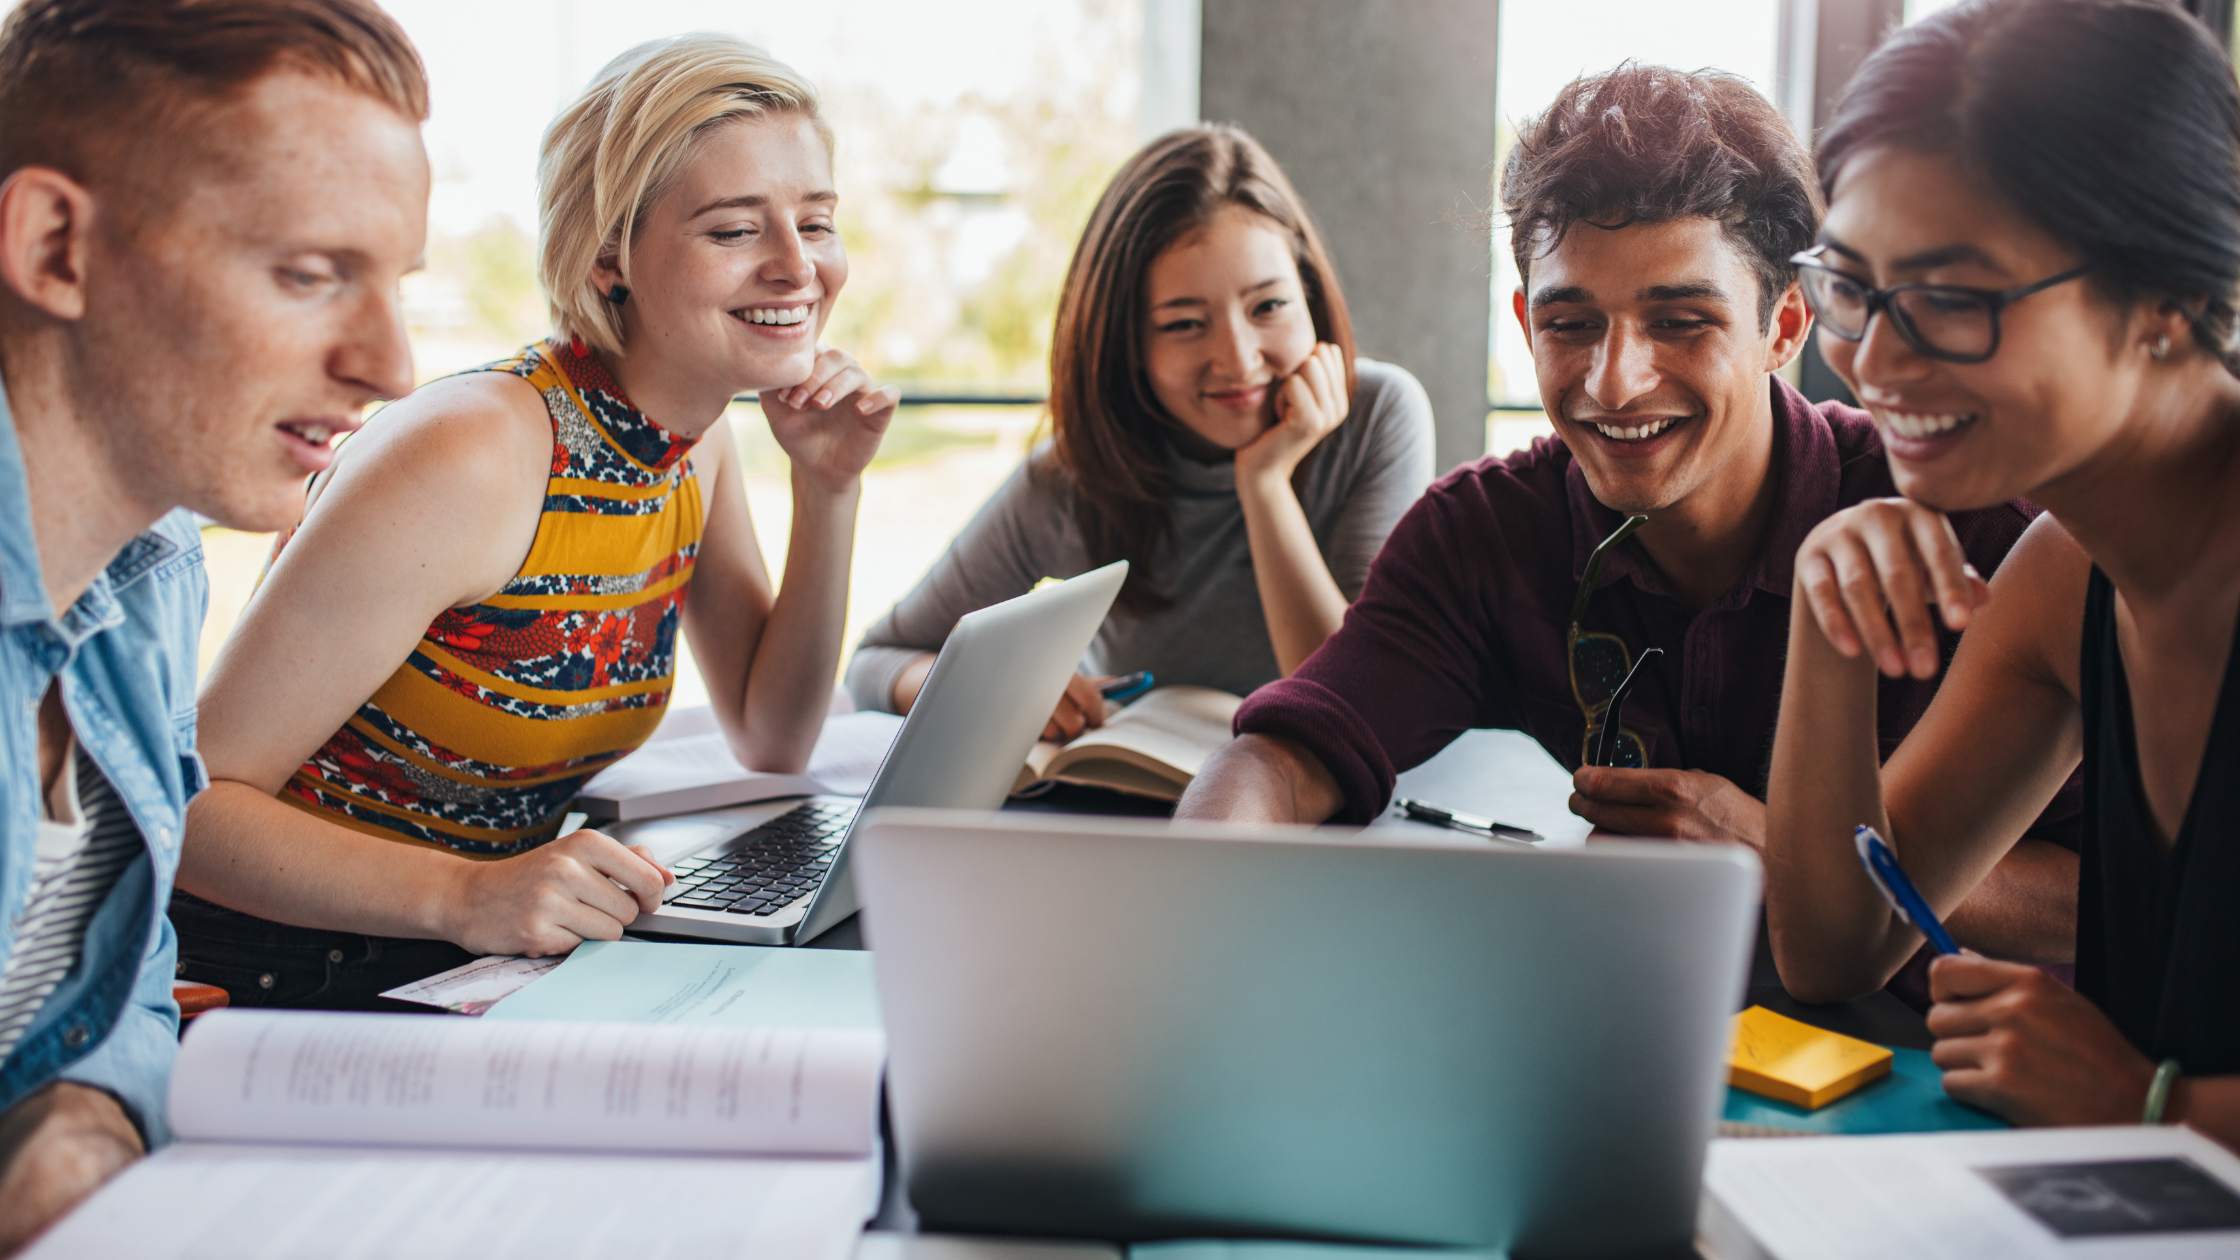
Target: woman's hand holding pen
point(2017, 1043)
point(1870, 573)
point(830, 425)
point(1079, 708)
point(1310, 403)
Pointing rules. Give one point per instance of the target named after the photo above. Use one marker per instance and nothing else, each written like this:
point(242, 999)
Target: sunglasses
point(1941, 321)
point(1603, 671)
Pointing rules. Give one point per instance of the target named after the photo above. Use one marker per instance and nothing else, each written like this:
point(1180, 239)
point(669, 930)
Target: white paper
point(218, 1202)
point(685, 767)
point(412, 1080)
point(1918, 1195)
point(850, 749)
point(477, 986)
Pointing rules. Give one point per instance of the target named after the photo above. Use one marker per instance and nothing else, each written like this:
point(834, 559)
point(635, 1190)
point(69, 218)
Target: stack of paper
point(688, 766)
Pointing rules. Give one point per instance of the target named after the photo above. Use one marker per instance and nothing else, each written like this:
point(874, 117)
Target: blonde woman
point(480, 608)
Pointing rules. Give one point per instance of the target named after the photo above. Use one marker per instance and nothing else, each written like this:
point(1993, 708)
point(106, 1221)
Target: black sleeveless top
point(2158, 937)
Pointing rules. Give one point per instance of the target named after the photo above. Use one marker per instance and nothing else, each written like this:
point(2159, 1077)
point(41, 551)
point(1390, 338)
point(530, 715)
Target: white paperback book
point(688, 766)
point(346, 1136)
point(2159, 1193)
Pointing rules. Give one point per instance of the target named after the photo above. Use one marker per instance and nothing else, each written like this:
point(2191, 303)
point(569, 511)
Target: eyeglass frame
point(1591, 746)
point(1995, 301)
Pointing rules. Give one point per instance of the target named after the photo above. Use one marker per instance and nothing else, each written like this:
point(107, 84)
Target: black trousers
point(262, 963)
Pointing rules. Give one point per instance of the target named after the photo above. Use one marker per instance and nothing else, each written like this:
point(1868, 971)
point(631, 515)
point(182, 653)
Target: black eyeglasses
point(1942, 321)
point(1603, 671)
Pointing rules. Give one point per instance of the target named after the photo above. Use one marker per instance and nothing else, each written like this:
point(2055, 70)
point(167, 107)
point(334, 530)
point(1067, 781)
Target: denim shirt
point(125, 653)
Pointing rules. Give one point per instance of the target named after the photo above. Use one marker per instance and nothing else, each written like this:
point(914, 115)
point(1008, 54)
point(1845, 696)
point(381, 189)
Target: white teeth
point(777, 314)
point(1648, 430)
point(316, 434)
point(1907, 425)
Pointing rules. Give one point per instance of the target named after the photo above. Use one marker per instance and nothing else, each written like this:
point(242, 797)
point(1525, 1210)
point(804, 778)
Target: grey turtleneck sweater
point(1363, 477)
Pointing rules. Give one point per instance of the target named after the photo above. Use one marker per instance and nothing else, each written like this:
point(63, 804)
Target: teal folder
point(1248, 1249)
point(664, 982)
point(1909, 1100)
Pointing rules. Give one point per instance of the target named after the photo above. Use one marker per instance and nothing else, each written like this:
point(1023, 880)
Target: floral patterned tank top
point(481, 738)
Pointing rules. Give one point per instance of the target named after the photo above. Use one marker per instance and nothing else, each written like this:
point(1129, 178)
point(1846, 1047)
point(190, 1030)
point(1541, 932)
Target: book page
point(411, 1080)
point(1178, 728)
point(1969, 1196)
point(219, 1202)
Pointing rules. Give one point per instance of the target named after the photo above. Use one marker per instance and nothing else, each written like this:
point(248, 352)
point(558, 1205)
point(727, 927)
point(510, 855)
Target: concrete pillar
point(1382, 114)
point(1170, 68)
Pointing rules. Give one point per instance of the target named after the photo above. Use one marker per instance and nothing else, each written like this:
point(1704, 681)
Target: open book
point(687, 766)
point(313, 1134)
point(1153, 747)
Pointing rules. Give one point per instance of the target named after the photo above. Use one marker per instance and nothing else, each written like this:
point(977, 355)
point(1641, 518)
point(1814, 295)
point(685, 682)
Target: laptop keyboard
point(768, 868)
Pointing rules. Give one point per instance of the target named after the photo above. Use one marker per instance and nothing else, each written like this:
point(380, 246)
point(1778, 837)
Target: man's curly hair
point(1645, 144)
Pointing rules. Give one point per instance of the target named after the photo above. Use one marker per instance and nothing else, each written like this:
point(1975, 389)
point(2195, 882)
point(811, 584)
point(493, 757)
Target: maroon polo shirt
point(1461, 623)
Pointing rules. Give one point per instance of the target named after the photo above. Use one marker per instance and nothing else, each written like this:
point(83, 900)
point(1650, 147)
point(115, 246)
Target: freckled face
point(1229, 322)
point(1968, 435)
point(736, 270)
point(1646, 343)
point(251, 316)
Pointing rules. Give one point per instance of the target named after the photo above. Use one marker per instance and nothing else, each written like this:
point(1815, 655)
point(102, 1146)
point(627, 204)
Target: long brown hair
point(1110, 433)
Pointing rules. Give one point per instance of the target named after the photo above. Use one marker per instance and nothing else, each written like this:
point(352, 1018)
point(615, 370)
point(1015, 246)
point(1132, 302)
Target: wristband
point(2158, 1093)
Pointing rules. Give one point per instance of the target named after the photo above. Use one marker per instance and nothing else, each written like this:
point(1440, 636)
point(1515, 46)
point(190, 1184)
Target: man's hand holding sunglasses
point(1679, 804)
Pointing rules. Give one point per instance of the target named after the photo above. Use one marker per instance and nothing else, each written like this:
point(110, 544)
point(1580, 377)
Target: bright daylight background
point(973, 141)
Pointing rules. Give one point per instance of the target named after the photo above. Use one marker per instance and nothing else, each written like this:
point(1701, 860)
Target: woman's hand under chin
point(830, 425)
point(1870, 575)
point(1310, 403)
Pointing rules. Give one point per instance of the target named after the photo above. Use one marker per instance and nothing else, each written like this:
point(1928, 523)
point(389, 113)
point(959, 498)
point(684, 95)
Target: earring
point(618, 295)
point(2160, 350)
point(575, 344)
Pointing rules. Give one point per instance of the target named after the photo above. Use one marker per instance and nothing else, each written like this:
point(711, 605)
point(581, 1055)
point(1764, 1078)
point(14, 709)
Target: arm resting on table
point(1262, 778)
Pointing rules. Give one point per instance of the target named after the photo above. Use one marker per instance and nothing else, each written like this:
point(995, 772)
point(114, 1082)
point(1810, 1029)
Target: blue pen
point(1127, 687)
point(1882, 867)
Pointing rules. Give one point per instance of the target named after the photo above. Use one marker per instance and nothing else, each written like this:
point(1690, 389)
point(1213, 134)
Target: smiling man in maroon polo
point(1654, 216)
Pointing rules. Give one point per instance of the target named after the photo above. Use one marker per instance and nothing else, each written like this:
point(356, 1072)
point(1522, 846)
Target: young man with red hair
point(205, 208)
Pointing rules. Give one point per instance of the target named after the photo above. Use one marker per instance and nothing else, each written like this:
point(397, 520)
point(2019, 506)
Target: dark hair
point(84, 81)
point(2112, 124)
point(1644, 144)
point(1109, 430)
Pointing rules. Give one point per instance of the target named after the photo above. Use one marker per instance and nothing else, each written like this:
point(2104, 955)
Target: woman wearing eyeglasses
point(2028, 274)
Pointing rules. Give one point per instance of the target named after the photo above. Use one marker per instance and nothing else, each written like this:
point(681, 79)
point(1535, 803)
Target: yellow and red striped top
point(480, 739)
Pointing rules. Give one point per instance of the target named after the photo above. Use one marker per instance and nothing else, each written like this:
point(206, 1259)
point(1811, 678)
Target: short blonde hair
point(616, 150)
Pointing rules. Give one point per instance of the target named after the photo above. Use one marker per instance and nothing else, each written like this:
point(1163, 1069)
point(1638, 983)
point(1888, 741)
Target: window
point(969, 155)
point(1543, 47)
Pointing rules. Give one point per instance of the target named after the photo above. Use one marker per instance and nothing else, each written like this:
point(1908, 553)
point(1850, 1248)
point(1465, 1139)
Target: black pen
point(1464, 822)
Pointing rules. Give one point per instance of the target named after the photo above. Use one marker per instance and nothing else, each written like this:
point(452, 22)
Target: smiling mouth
point(779, 316)
point(311, 431)
point(1636, 433)
point(1919, 425)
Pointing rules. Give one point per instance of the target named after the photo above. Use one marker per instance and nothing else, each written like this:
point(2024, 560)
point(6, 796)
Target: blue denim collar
point(23, 590)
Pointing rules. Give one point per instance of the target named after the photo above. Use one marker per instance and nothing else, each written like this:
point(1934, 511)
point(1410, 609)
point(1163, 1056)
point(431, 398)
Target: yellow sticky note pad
point(1798, 1064)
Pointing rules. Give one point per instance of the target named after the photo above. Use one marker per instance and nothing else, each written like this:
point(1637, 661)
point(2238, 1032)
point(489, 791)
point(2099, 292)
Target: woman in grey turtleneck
point(1210, 425)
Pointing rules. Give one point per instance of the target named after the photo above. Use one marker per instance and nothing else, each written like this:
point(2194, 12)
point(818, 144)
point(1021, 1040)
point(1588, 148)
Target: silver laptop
point(1191, 1030)
point(993, 686)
